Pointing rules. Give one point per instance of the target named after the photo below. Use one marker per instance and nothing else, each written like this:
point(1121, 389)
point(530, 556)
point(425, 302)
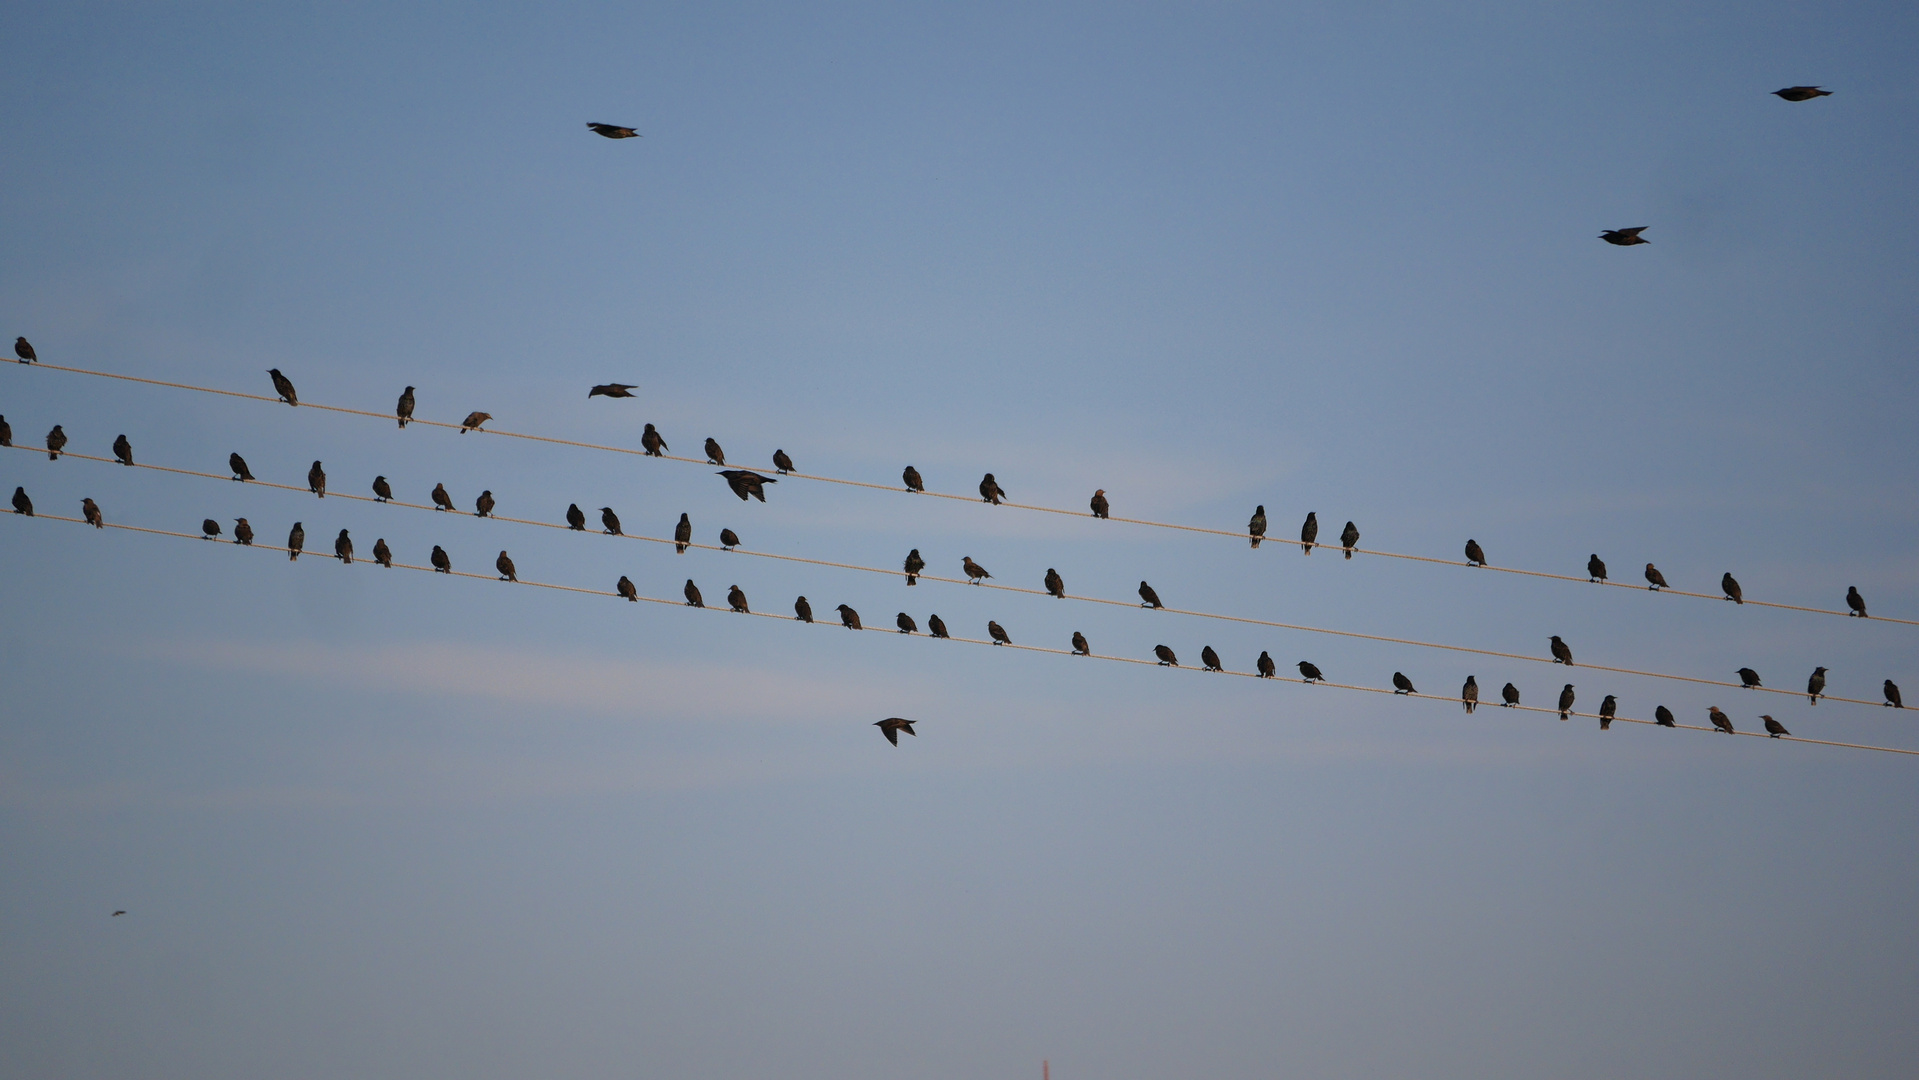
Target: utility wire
point(320, 556)
point(1002, 588)
point(1235, 534)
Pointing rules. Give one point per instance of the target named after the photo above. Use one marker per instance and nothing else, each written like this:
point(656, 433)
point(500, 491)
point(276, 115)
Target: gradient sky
point(1339, 258)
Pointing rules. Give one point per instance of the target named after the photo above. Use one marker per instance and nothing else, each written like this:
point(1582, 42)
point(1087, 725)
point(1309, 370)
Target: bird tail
point(1255, 541)
point(679, 549)
point(1349, 554)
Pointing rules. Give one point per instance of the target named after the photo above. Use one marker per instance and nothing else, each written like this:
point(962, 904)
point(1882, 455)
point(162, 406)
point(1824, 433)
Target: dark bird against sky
point(892, 726)
point(614, 131)
point(655, 445)
point(612, 390)
point(404, 409)
point(1625, 237)
point(239, 466)
point(283, 386)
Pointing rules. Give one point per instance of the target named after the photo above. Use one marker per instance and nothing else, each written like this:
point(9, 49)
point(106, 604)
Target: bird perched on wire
point(1265, 666)
point(849, 618)
point(283, 386)
point(1055, 585)
point(209, 529)
point(1595, 569)
point(610, 523)
point(242, 532)
point(1475, 555)
point(1720, 720)
point(56, 441)
point(382, 491)
point(23, 349)
point(736, 599)
point(692, 593)
point(612, 389)
point(613, 131)
point(1148, 598)
point(1748, 678)
point(6, 432)
point(802, 610)
point(1774, 728)
point(505, 566)
point(1893, 699)
point(1816, 685)
point(343, 548)
point(1562, 652)
point(316, 480)
point(682, 535)
point(473, 421)
point(1791, 93)
point(905, 623)
point(1509, 696)
point(651, 441)
point(781, 462)
point(1608, 709)
point(1349, 538)
point(914, 564)
point(1101, 508)
point(382, 554)
point(441, 500)
point(1166, 657)
point(90, 510)
point(1209, 659)
point(1469, 694)
point(990, 491)
point(123, 450)
point(1625, 237)
point(239, 466)
point(1080, 648)
point(1402, 685)
point(575, 517)
point(296, 541)
point(1309, 532)
point(1855, 602)
point(714, 455)
point(975, 573)
point(746, 483)
point(1310, 672)
point(1730, 586)
point(1663, 717)
point(1566, 697)
point(404, 409)
point(729, 540)
point(997, 633)
point(911, 477)
point(1655, 580)
point(1256, 525)
point(483, 506)
point(892, 726)
point(441, 563)
point(936, 626)
point(626, 588)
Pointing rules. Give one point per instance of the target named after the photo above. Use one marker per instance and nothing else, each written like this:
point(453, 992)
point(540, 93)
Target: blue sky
point(1337, 258)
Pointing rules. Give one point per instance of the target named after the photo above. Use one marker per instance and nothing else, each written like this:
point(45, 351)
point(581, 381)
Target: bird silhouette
point(1509, 696)
point(1748, 678)
point(1209, 659)
point(441, 563)
point(692, 592)
point(117, 913)
point(1793, 93)
point(714, 455)
point(1731, 589)
point(1720, 720)
point(892, 726)
point(747, 484)
point(441, 500)
point(382, 554)
point(21, 503)
point(1469, 694)
point(736, 599)
point(505, 566)
point(209, 529)
point(990, 491)
point(1055, 586)
point(1101, 508)
point(1148, 598)
point(850, 618)
point(1608, 709)
point(382, 491)
point(1265, 666)
point(612, 390)
point(1256, 526)
point(1349, 538)
point(729, 539)
point(1655, 580)
point(473, 421)
point(1475, 555)
point(1625, 237)
point(655, 445)
point(1595, 569)
point(1663, 717)
point(123, 450)
point(1166, 657)
point(1402, 685)
point(296, 541)
point(975, 573)
point(682, 535)
point(90, 510)
point(1080, 648)
point(575, 517)
point(914, 564)
point(1310, 672)
point(56, 440)
point(1816, 685)
point(343, 548)
point(781, 462)
point(483, 506)
point(1892, 693)
point(1774, 728)
point(936, 626)
point(911, 477)
point(239, 466)
point(23, 349)
point(626, 588)
point(802, 610)
point(610, 523)
point(1855, 602)
point(905, 623)
point(242, 532)
point(1309, 533)
point(997, 633)
point(283, 386)
point(316, 480)
point(613, 131)
point(1566, 701)
point(404, 409)
point(1562, 652)
point(6, 432)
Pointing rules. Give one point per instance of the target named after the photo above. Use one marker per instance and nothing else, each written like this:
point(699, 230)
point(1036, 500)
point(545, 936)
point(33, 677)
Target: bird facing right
point(1148, 598)
point(1655, 580)
point(23, 349)
point(239, 466)
point(1475, 555)
point(1730, 586)
point(990, 490)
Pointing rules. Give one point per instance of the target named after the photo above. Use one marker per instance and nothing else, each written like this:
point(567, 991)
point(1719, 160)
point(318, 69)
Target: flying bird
point(610, 523)
point(613, 131)
point(905, 623)
point(1655, 580)
point(990, 491)
point(21, 503)
point(1475, 555)
point(936, 626)
point(654, 444)
point(505, 566)
point(911, 476)
point(316, 480)
point(441, 564)
point(382, 491)
point(117, 913)
point(296, 541)
point(1855, 602)
point(1265, 666)
point(1720, 720)
point(781, 462)
point(441, 500)
point(1892, 692)
point(1080, 648)
point(283, 386)
point(1402, 685)
point(729, 539)
point(1469, 694)
point(892, 726)
point(1566, 697)
point(239, 466)
point(714, 455)
point(736, 599)
point(1774, 728)
point(974, 571)
point(612, 389)
point(90, 510)
point(1349, 538)
point(1309, 532)
point(849, 618)
point(1101, 508)
point(242, 532)
point(1816, 685)
point(1310, 672)
point(1625, 237)
point(343, 548)
point(1595, 568)
point(626, 588)
point(56, 440)
point(1509, 696)
point(1790, 93)
point(123, 450)
point(404, 410)
point(1209, 659)
point(1148, 598)
point(1663, 717)
point(692, 592)
point(382, 554)
point(209, 529)
point(483, 506)
point(914, 564)
point(997, 633)
point(473, 421)
point(746, 483)
point(1256, 526)
point(1608, 709)
point(682, 534)
point(1054, 584)
point(1731, 588)
point(802, 610)
point(23, 349)
point(1562, 652)
point(1166, 657)
point(1748, 678)
point(575, 517)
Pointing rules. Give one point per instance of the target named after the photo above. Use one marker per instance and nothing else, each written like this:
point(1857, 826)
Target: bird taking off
point(1595, 569)
point(404, 410)
point(747, 484)
point(892, 726)
point(911, 477)
point(1402, 685)
point(1730, 586)
point(1101, 508)
point(974, 571)
point(1562, 652)
point(612, 389)
point(652, 442)
point(613, 131)
point(914, 564)
point(990, 491)
point(123, 450)
point(1720, 720)
point(1147, 597)
point(473, 421)
point(1774, 728)
point(1855, 602)
point(283, 386)
point(23, 349)
point(1796, 93)
point(1256, 526)
point(1166, 657)
point(781, 462)
point(1655, 580)
point(1469, 694)
point(1475, 555)
point(1309, 532)
point(714, 455)
point(239, 466)
point(1625, 237)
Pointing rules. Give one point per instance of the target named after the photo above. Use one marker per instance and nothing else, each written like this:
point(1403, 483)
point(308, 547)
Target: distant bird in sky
point(692, 593)
point(316, 480)
point(123, 450)
point(1566, 698)
point(21, 503)
point(1595, 569)
point(911, 477)
point(575, 517)
point(1816, 685)
point(56, 441)
point(850, 618)
point(1101, 508)
point(613, 131)
point(655, 445)
point(441, 500)
point(90, 510)
point(1265, 666)
point(1509, 696)
point(781, 462)
point(1209, 659)
point(1080, 648)
point(296, 541)
point(892, 726)
point(612, 390)
point(802, 610)
point(441, 563)
point(610, 523)
point(239, 466)
point(1402, 685)
point(1349, 538)
point(936, 626)
point(1655, 580)
point(483, 506)
point(242, 532)
point(1730, 586)
point(473, 421)
point(23, 349)
point(1892, 695)
point(283, 386)
point(1166, 657)
point(209, 529)
point(997, 633)
point(1469, 694)
point(746, 483)
point(1608, 709)
point(1855, 602)
point(382, 491)
point(736, 599)
point(1748, 678)
point(505, 566)
point(1475, 555)
point(1774, 728)
point(975, 573)
point(343, 548)
point(1310, 672)
point(1802, 93)
point(117, 913)
point(990, 490)
point(1309, 532)
point(914, 564)
point(626, 588)
point(905, 623)
point(1663, 717)
point(729, 539)
point(1562, 652)
point(1055, 585)
point(714, 455)
point(1148, 598)
point(1625, 237)
point(404, 410)
point(682, 534)
point(1256, 525)
point(382, 554)
point(1720, 720)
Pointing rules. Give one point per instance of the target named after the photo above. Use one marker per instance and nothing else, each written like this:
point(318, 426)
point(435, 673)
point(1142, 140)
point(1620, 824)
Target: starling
point(1309, 532)
point(1816, 685)
point(283, 386)
point(997, 633)
point(990, 491)
point(1566, 697)
point(296, 541)
point(1720, 720)
point(612, 389)
point(625, 588)
point(729, 539)
point(1475, 555)
point(1101, 508)
point(1148, 598)
point(1790, 93)
point(1655, 580)
point(682, 533)
point(1608, 709)
point(1349, 538)
point(692, 592)
point(1054, 585)
point(1595, 568)
point(404, 410)
point(575, 517)
point(382, 554)
point(613, 131)
point(6, 432)
point(1855, 602)
point(892, 726)
point(123, 450)
point(343, 548)
point(714, 455)
point(1748, 678)
point(1209, 659)
point(736, 599)
point(1080, 648)
point(850, 618)
point(1562, 652)
point(117, 913)
point(1402, 685)
point(441, 564)
point(655, 446)
point(1267, 669)
point(610, 523)
point(1256, 528)
point(781, 462)
point(505, 566)
point(242, 532)
point(239, 466)
point(90, 510)
point(1166, 657)
point(802, 610)
point(56, 439)
point(914, 564)
point(1774, 728)
point(483, 506)
point(1469, 694)
point(1731, 588)
point(1892, 688)
point(912, 478)
point(22, 504)
point(382, 491)
point(1309, 672)
point(473, 421)
point(1625, 237)
point(974, 571)
point(936, 626)
point(441, 500)
point(905, 623)
point(23, 349)
point(1663, 717)
point(1509, 695)
point(209, 529)
point(745, 484)
point(316, 480)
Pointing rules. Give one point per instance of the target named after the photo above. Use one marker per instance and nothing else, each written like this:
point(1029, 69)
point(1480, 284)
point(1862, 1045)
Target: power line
point(1235, 534)
point(1128, 604)
point(320, 556)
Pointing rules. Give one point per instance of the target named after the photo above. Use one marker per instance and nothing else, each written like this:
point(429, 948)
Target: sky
point(1340, 258)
